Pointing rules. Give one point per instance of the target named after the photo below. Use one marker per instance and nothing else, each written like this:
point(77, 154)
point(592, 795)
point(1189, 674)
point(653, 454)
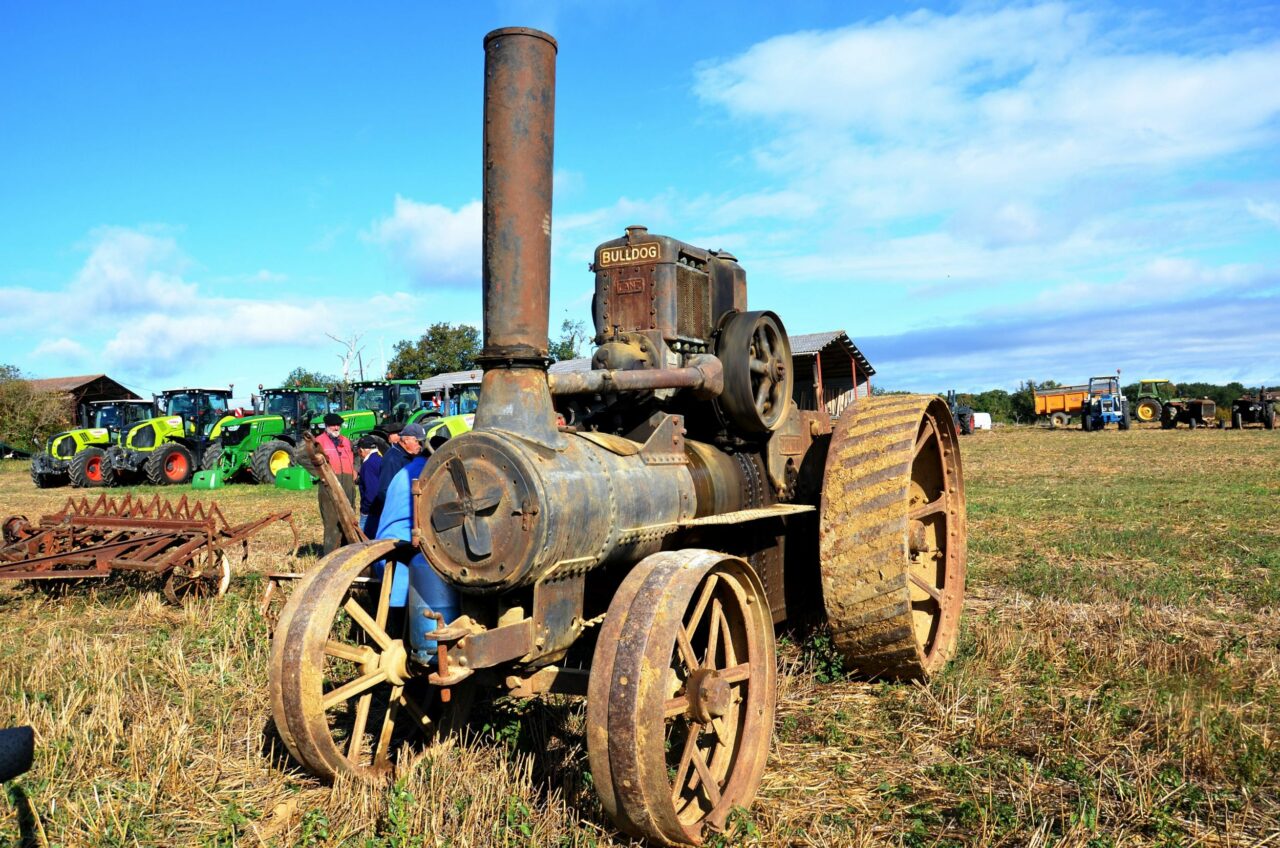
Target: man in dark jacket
point(409, 446)
point(370, 473)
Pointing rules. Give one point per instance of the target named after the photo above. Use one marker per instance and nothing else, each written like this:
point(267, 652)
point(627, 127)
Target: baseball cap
point(366, 442)
point(413, 431)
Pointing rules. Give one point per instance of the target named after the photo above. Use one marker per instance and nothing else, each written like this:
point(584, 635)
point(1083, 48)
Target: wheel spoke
point(759, 366)
point(686, 649)
point(357, 729)
point(352, 688)
point(713, 638)
point(708, 780)
point(686, 760)
point(345, 652)
point(703, 599)
point(736, 673)
point(932, 507)
point(677, 706)
point(923, 439)
point(382, 754)
point(928, 587)
point(384, 593)
point(730, 653)
point(357, 612)
point(762, 393)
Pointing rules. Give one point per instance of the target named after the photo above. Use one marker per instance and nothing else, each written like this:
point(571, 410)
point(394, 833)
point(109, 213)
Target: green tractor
point(264, 443)
point(377, 404)
point(78, 455)
point(1152, 397)
point(168, 448)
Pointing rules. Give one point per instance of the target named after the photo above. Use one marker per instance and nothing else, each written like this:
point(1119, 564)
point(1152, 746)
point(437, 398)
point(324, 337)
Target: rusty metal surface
point(893, 536)
point(186, 541)
point(704, 375)
point(681, 697)
point(519, 136)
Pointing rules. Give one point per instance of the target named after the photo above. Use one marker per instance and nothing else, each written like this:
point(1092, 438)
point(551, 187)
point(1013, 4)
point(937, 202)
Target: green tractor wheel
point(1148, 410)
point(89, 469)
point(170, 464)
point(270, 459)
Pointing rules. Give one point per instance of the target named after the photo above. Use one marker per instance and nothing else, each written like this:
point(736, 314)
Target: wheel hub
point(709, 694)
point(394, 661)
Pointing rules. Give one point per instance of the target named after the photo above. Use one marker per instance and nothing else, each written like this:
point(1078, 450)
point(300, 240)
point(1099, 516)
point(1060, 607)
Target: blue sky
point(978, 193)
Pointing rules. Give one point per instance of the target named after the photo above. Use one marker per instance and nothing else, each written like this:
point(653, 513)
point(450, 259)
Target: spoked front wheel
point(681, 699)
point(344, 693)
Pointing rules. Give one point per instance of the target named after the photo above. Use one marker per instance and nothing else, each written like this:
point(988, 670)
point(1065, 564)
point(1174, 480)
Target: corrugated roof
point(65, 384)
point(439, 381)
point(810, 344)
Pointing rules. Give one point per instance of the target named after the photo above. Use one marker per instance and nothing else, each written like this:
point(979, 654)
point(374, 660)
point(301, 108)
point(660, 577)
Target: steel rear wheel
point(681, 696)
point(344, 695)
point(892, 537)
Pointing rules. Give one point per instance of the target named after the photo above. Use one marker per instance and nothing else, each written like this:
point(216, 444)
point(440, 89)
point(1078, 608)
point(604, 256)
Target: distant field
point(1118, 684)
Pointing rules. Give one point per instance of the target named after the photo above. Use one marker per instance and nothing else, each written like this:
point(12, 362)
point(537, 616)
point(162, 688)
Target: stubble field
point(1117, 684)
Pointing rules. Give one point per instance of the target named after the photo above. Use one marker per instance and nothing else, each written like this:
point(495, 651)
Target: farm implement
point(186, 543)
point(630, 534)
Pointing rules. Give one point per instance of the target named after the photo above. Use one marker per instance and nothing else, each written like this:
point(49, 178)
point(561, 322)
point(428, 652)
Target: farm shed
point(84, 389)
point(831, 366)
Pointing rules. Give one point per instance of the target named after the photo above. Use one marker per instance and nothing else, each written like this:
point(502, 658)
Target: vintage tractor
point(1194, 412)
point(1255, 409)
point(78, 455)
point(641, 553)
point(167, 449)
point(263, 444)
point(1105, 404)
point(961, 412)
point(1148, 406)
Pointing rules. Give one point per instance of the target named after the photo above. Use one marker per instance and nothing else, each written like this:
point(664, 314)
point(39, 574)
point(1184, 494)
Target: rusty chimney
point(519, 137)
point(519, 140)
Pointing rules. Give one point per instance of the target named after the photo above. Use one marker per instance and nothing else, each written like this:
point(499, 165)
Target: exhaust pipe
point(519, 136)
point(519, 141)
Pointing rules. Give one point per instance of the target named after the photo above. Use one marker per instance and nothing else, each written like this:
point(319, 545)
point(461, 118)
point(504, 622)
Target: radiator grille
point(693, 303)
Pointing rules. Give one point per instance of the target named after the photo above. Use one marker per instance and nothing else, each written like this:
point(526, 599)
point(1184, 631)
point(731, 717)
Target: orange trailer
point(1060, 403)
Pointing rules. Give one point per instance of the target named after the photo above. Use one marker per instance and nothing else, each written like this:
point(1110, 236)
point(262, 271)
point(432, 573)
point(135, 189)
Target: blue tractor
point(1106, 404)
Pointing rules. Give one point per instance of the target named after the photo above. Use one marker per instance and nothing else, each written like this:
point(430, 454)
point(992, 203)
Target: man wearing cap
point(341, 457)
point(370, 472)
point(410, 445)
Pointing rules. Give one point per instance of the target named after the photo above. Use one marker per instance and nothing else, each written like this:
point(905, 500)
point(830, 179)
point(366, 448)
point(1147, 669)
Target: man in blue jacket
point(370, 471)
point(418, 585)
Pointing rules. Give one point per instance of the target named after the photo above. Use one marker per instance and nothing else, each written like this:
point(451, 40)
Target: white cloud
point(1267, 211)
point(438, 246)
point(64, 350)
point(993, 116)
point(131, 271)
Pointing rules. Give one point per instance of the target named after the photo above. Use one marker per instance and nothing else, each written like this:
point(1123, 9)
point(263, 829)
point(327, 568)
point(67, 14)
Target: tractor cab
point(389, 400)
point(200, 409)
point(1152, 397)
point(116, 416)
point(296, 405)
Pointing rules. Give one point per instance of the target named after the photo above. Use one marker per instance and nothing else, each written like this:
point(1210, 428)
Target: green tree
point(443, 347)
point(303, 377)
point(28, 417)
point(572, 335)
point(998, 402)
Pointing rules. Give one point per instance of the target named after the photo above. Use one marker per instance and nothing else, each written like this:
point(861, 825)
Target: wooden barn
point(83, 390)
point(829, 366)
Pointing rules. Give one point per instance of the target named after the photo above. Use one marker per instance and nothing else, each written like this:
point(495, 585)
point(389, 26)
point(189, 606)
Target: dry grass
point(1117, 685)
